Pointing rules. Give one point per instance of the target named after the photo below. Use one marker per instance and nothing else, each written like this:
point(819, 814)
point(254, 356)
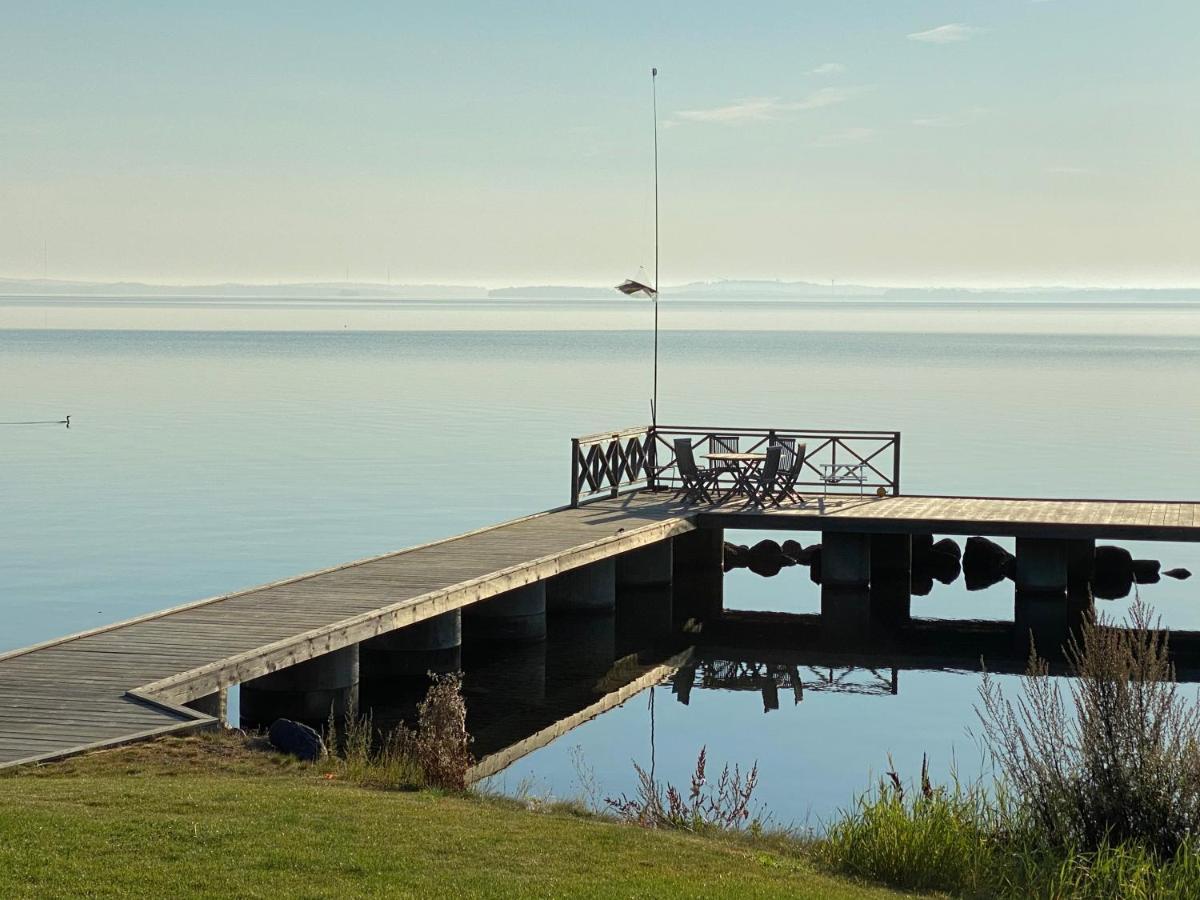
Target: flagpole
point(654, 103)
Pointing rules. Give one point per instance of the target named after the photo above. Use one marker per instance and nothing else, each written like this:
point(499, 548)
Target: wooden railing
point(604, 465)
point(611, 463)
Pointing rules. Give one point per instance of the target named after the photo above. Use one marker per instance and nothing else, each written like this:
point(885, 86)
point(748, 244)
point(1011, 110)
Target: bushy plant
point(725, 805)
point(435, 754)
point(1115, 758)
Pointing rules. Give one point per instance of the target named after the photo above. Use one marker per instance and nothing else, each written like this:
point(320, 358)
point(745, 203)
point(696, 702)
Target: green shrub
point(1114, 759)
point(435, 754)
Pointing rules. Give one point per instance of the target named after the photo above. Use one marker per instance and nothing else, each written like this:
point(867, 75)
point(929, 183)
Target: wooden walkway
point(1129, 520)
point(129, 680)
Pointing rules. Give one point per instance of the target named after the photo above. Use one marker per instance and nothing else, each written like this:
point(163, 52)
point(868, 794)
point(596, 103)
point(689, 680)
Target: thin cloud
point(953, 33)
point(830, 68)
point(761, 109)
point(1072, 171)
point(844, 137)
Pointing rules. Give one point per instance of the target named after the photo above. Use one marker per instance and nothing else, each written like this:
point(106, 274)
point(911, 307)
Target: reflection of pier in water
point(780, 657)
point(773, 678)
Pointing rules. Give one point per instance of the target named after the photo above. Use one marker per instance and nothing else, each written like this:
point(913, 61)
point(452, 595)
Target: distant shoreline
point(43, 289)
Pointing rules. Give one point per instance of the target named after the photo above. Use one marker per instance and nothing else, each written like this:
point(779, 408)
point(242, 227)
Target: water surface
point(217, 445)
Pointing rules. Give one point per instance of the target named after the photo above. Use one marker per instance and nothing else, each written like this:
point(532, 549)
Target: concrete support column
point(306, 691)
point(1081, 561)
point(699, 551)
point(588, 588)
point(891, 598)
point(650, 566)
point(215, 705)
point(1042, 566)
point(516, 616)
point(845, 559)
point(891, 554)
point(431, 645)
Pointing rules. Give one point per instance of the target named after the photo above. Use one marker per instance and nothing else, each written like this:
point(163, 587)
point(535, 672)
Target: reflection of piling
point(845, 586)
point(307, 691)
point(644, 618)
point(513, 675)
point(845, 613)
point(891, 577)
point(698, 574)
point(580, 646)
point(1053, 592)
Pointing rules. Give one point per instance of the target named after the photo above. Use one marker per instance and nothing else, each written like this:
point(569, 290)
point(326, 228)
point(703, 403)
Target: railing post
point(896, 466)
point(574, 471)
point(650, 458)
point(614, 470)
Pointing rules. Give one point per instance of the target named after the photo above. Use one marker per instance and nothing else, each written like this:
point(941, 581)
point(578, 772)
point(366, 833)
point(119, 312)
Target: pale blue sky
point(497, 143)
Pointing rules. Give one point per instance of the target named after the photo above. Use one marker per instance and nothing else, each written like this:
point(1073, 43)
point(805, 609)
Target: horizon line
point(543, 284)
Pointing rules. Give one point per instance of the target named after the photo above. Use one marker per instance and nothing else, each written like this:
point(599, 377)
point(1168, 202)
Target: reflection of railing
point(607, 464)
point(771, 678)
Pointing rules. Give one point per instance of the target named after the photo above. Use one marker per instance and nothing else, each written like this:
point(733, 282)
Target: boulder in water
point(921, 583)
point(296, 739)
point(944, 567)
point(947, 546)
point(1179, 573)
point(771, 550)
point(798, 553)
point(986, 563)
point(1113, 563)
point(736, 556)
point(766, 558)
point(1145, 571)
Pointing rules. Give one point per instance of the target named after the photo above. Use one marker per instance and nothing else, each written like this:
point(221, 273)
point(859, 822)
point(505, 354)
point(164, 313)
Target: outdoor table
point(742, 465)
point(836, 473)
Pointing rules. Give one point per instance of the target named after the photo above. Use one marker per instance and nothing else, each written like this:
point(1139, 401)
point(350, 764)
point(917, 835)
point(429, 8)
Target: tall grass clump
point(706, 807)
point(434, 754)
point(1112, 760)
point(934, 838)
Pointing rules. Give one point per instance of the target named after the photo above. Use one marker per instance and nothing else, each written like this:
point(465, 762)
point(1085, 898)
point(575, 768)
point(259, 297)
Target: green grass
point(965, 843)
point(209, 816)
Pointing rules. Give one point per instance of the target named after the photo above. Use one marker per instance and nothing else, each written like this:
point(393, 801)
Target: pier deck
point(130, 680)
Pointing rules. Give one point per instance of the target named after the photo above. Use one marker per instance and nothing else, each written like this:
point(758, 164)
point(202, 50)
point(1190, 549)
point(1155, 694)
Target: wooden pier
point(164, 672)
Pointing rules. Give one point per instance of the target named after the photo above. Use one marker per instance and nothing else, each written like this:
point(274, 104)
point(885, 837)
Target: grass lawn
point(208, 815)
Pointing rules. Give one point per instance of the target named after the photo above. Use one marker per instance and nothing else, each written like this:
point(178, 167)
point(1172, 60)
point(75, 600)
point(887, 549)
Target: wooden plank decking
point(129, 680)
point(1153, 520)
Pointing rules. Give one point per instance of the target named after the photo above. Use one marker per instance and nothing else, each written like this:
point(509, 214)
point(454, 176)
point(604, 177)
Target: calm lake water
point(219, 444)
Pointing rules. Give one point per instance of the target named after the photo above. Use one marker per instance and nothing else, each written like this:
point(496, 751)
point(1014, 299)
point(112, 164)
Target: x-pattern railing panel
point(609, 463)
